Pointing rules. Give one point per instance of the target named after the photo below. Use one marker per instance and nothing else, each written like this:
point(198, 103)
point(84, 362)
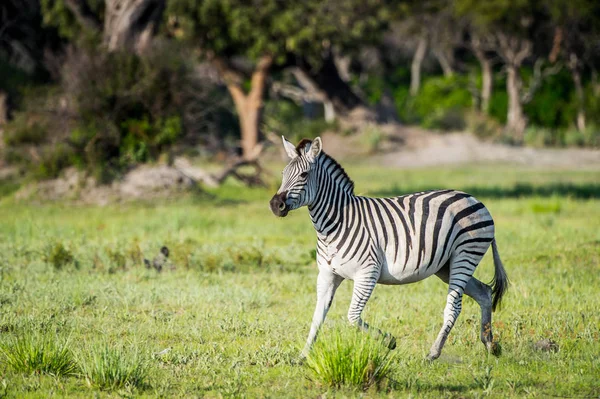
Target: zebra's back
point(418, 233)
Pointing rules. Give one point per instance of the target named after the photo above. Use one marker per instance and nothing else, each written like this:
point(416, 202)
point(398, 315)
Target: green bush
point(482, 125)
point(552, 105)
point(349, 357)
point(23, 130)
point(371, 138)
point(111, 110)
point(53, 160)
point(113, 367)
point(536, 136)
point(440, 103)
point(37, 352)
point(58, 256)
point(589, 137)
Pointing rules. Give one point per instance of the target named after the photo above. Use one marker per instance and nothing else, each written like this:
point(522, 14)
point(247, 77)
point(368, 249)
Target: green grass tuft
point(41, 353)
point(113, 367)
point(351, 358)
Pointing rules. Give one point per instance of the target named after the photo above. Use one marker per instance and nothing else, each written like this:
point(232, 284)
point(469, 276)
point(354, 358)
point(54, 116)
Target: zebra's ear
point(315, 148)
point(290, 149)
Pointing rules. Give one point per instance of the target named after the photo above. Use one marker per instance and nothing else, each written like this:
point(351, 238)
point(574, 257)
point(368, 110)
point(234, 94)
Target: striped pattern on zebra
point(396, 240)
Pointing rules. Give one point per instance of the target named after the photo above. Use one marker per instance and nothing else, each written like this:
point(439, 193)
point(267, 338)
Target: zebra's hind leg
point(457, 274)
point(482, 294)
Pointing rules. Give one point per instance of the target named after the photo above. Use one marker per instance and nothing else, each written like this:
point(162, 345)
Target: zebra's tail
point(500, 282)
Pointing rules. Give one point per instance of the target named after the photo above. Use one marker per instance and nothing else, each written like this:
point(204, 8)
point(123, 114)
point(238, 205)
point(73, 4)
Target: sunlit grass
point(231, 318)
point(37, 352)
point(348, 357)
point(113, 367)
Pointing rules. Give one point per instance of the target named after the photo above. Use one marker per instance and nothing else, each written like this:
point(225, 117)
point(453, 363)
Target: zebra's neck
point(335, 191)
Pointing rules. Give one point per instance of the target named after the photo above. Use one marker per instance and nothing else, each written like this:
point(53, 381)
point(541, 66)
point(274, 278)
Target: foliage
point(38, 352)
point(241, 28)
point(56, 14)
point(552, 106)
point(284, 117)
point(112, 111)
point(349, 358)
point(440, 103)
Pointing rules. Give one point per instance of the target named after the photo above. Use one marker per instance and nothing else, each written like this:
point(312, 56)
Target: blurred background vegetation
point(104, 85)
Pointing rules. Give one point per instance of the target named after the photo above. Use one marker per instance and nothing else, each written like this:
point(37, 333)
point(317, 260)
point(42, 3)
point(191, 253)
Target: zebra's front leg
point(327, 284)
point(363, 288)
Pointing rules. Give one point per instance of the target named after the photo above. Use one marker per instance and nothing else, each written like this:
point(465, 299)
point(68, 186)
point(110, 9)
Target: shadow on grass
point(573, 190)
point(412, 387)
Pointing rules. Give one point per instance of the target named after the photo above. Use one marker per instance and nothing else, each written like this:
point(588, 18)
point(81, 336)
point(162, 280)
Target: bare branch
point(539, 76)
point(84, 14)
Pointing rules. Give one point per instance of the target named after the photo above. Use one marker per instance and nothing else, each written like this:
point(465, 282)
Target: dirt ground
point(412, 147)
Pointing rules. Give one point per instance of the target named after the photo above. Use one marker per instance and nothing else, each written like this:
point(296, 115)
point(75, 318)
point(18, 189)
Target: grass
point(35, 352)
point(232, 317)
point(114, 367)
point(348, 357)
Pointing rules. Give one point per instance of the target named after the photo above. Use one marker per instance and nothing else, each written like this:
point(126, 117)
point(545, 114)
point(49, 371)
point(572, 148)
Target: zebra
point(397, 240)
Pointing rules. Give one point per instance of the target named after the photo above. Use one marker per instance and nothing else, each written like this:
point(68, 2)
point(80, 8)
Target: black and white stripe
point(396, 240)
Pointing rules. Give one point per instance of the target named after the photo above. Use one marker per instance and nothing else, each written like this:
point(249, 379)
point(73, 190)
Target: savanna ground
point(231, 319)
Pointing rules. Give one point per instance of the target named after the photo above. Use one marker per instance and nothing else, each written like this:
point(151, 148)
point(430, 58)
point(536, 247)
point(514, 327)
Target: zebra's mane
point(337, 166)
point(300, 150)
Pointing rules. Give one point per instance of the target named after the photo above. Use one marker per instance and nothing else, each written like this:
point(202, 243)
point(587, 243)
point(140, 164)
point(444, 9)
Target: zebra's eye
point(303, 174)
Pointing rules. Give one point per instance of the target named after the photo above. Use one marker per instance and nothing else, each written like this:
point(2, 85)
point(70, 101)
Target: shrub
point(349, 357)
point(446, 119)
point(589, 137)
point(111, 111)
point(38, 352)
point(539, 136)
point(371, 138)
point(110, 367)
point(482, 125)
point(439, 104)
point(58, 255)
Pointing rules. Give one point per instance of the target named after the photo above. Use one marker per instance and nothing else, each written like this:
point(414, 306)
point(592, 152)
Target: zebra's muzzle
point(278, 205)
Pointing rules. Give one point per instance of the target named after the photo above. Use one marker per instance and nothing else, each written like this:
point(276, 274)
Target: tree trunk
point(516, 121)
point(415, 67)
point(576, 74)
point(130, 24)
point(3, 116)
point(3, 108)
point(329, 81)
point(486, 74)
point(329, 111)
point(487, 83)
point(444, 63)
point(248, 106)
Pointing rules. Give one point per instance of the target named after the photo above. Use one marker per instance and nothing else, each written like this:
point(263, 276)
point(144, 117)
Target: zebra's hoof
point(389, 341)
point(432, 356)
point(494, 348)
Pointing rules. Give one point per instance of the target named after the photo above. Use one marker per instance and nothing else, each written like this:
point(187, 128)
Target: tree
point(575, 23)
point(121, 24)
point(508, 26)
point(274, 34)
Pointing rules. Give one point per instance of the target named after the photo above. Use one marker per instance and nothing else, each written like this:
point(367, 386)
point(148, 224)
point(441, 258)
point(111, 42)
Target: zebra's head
point(298, 187)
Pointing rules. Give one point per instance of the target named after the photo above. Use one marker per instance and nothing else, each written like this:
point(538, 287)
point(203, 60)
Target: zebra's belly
point(394, 274)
